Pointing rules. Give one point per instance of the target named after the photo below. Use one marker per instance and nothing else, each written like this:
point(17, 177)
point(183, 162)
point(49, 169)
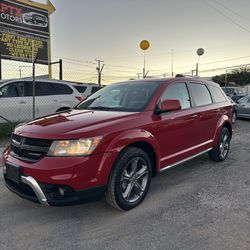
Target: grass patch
point(6, 129)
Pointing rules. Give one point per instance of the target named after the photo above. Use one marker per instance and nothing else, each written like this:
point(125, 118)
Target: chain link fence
point(16, 86)
point(16, 91)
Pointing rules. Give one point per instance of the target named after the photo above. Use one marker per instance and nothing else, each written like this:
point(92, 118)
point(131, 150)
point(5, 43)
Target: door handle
point(55, 100)
point(217, 110)
point(194, 116)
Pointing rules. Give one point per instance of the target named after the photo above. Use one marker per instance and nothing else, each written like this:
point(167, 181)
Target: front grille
point(29, 149)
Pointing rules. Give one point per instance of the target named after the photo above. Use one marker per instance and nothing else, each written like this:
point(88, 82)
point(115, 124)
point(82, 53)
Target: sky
point(111, 30)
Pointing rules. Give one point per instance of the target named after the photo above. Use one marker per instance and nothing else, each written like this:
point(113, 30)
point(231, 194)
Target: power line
point(227, 17)
point(231, 10)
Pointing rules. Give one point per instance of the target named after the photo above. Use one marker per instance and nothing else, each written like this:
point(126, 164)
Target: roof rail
point(188, 76)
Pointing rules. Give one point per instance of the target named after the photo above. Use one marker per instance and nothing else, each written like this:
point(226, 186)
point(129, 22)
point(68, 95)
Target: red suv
point(116, 140)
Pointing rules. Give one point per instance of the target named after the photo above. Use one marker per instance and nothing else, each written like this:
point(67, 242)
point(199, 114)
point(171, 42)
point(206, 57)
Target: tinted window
point(216, 94)
point(61, 89)
point(200, 94)
point(47, 88)
point(94, 89)
point(15, 89)
point(80, 88)
point(179, 92)
point(44, 88)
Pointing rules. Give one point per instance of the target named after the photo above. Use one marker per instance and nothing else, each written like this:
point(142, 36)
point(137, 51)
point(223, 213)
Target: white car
point(86, 89)
point(16, 98)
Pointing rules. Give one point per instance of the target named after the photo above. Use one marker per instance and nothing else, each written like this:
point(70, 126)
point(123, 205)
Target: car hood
point(71, 124)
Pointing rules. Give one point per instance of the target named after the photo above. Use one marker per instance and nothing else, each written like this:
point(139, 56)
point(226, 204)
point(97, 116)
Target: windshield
point(130, 96)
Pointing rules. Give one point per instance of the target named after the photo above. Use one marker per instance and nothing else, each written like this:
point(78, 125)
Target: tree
point(240, 76)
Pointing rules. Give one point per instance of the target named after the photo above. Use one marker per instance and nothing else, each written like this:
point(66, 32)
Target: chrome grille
point(29, 149)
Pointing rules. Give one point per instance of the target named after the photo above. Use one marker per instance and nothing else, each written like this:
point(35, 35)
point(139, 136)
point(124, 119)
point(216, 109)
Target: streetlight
point(199, 52)
point(144, 45)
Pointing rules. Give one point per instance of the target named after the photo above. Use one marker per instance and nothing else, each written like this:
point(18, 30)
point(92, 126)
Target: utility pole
point(172, 63)
point(138, 75)
point(99, 69)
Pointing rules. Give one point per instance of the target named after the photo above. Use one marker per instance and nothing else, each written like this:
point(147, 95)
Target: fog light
point(61, 191)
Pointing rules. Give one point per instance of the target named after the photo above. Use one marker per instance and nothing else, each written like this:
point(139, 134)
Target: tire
point(220, 152)
point(130, 179)
point(234, 117)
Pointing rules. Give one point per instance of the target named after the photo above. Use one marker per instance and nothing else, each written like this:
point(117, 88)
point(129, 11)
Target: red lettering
point(18, 12)
point(4, 7)
point(11, 8)
point(8, 9)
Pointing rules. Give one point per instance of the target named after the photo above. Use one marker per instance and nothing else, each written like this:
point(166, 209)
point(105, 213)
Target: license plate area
point(13, 173)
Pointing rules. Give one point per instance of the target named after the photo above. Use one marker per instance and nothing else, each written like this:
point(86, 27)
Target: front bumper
point(58, 181)
point(54, 195)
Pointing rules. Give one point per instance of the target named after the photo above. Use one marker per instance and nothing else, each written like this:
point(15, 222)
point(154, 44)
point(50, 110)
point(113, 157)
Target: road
point(197, 205)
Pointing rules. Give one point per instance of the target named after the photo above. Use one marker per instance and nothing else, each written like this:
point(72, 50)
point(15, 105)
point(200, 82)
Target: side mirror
point(1, 93)
point(168, 105)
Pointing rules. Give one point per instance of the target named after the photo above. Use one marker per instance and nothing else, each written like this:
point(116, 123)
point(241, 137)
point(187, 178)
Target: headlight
point(79, 147)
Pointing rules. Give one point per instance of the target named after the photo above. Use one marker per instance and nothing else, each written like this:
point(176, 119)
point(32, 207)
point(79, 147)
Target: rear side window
point(80, 88)
point(178, 91)
point(47, 88)
point(216, 94)
point(94, 89)
point(44, 88)
point(200, 94)
point(61, 89)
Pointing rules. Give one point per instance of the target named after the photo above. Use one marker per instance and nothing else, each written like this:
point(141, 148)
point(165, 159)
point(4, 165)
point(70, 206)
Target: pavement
point(199, 205)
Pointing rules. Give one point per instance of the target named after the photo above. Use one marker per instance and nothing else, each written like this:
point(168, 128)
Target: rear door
point(206, 112)
point(46, 101)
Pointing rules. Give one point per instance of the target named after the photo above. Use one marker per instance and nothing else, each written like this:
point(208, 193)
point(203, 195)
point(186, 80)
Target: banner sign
point(24, 31)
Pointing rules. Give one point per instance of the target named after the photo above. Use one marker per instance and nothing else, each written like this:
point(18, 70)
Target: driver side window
point(177, 91)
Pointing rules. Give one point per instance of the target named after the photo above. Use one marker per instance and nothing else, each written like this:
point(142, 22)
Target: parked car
point(233, 92)
point(243, 107)
point(86, 89)
point(116, 140)
point(16, 98)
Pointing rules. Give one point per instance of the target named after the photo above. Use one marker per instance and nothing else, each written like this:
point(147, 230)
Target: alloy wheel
point(134, 179)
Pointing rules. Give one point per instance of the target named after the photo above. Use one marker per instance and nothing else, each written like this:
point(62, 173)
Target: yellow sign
point(144, 45)
point(49, 6)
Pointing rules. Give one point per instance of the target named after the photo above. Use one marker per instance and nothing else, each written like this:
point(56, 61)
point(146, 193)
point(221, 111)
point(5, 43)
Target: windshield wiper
point(102, 108)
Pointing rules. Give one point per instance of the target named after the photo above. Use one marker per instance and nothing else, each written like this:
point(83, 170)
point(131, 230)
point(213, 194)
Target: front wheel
point(130, 179)
point(220, 152)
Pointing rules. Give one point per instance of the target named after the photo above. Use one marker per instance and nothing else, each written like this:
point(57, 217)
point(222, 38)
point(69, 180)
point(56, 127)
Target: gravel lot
point(197, 205)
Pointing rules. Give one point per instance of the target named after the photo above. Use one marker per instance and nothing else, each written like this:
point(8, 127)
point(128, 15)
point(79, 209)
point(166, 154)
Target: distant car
point(16, 98)
point(234, 92)
point(243, 107)
point(86, 89)
point(35, 19)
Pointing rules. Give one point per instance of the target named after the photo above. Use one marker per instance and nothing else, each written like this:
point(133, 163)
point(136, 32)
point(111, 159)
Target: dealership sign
point(24, 32)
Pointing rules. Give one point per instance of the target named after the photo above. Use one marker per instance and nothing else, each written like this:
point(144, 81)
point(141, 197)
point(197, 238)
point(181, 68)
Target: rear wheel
point(130, 179)
point(220, 152)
